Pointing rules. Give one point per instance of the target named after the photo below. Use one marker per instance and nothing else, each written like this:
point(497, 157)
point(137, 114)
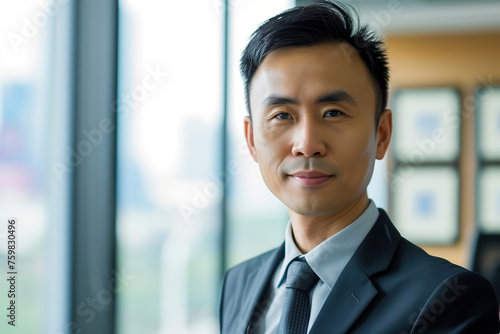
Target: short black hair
point(322, 22)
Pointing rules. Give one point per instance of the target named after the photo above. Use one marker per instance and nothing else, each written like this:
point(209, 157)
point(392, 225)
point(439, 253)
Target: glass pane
point(169, 111)
point(257, 219)
point(34, 172)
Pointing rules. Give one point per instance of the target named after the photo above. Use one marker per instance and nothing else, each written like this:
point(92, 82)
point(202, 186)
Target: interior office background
point(123, 160)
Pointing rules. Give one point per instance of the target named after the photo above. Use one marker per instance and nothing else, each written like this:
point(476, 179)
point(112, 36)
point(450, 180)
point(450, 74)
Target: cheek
point(270, 146)
point(359, 153)
point(271, 151)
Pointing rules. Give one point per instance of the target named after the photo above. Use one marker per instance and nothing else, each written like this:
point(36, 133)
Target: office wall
point(464, 61)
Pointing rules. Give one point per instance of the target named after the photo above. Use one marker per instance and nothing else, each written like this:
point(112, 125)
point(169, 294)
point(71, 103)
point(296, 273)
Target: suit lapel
point(258, 281)
point(354, 290)
point(352, 293)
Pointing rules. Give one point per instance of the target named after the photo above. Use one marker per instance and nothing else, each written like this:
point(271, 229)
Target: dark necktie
point(300, 279)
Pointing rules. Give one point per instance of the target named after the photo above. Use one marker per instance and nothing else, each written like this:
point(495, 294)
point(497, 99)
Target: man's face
point(313, 127)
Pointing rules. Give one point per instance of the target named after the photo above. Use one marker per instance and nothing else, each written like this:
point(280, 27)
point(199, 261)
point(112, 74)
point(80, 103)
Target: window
point(169, 110)
point(254, 213)
point(34, 172)
point(170, 179)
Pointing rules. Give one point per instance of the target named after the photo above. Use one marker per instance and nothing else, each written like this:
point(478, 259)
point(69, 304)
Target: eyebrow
point(273, 100)
point(339, 95)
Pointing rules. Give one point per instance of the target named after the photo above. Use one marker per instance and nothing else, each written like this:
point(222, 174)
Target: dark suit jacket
point(389, 286)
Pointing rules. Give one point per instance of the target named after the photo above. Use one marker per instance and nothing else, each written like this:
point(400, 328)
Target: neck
point(310, 231)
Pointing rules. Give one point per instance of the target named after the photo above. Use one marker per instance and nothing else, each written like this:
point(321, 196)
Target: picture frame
point(488, 199)
point(426, 125)
point(488, 123)
point(425, 204)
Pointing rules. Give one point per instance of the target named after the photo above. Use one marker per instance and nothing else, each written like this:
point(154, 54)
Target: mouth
point(311, 178)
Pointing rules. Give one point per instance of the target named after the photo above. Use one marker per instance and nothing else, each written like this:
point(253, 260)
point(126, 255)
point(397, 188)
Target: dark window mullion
point(224, 140)
point(94, 170)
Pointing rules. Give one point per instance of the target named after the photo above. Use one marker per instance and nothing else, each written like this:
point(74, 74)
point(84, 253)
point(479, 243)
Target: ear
point(384, 132)
point(249, 137)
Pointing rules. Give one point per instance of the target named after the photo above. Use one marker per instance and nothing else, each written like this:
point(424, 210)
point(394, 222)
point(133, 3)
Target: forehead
point(306, 72)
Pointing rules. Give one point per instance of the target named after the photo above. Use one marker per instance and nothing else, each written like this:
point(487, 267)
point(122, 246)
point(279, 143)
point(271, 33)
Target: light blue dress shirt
point(328, 259)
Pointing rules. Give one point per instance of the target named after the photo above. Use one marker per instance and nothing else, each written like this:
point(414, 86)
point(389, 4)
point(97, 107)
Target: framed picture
point(425, 204)
point(488, 123)
point(488, 199)
point(426, 125)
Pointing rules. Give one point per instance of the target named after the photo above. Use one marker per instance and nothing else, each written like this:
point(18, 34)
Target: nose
point(308, 140)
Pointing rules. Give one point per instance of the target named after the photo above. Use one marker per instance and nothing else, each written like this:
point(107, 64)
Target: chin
point(310, 214)
point(310, 209)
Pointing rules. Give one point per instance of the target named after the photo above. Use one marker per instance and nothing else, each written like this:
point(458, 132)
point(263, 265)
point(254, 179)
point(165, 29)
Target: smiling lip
point(310, 178)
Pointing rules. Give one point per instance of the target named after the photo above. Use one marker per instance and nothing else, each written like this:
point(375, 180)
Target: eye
point(333, 113)
point(283, 116)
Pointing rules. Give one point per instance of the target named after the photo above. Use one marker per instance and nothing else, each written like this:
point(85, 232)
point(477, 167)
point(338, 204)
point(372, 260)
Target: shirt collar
point(329, 258)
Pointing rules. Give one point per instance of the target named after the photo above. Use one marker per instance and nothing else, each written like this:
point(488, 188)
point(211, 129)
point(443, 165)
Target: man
point(316, 89)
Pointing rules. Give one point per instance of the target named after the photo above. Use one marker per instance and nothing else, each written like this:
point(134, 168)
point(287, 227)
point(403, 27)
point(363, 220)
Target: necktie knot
point(300, 276)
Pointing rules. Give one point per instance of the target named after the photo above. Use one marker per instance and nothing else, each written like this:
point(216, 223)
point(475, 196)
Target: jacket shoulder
point(415, 259)
point(249, 265)
point(451, 298)
point(241, 288)
point(428, 294)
